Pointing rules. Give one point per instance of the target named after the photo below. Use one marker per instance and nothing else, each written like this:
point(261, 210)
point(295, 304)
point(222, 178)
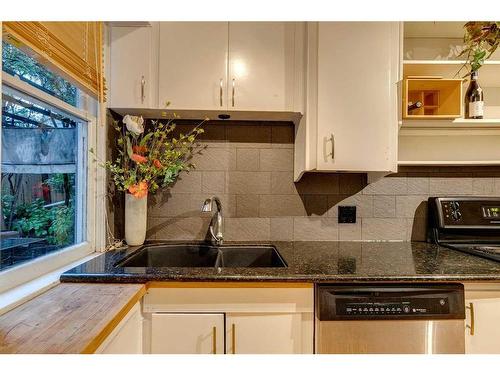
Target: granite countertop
point(312, 262)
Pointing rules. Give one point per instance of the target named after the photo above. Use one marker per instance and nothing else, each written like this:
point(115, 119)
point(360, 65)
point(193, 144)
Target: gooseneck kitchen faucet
point(208, 206)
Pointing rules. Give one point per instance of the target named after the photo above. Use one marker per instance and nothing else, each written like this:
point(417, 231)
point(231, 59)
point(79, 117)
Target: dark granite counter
point(312, 262)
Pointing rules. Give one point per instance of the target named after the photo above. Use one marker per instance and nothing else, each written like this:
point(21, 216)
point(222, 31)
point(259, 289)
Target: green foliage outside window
point(17, 62)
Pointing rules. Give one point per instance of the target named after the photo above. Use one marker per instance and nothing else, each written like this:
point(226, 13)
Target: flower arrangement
point(148, 160)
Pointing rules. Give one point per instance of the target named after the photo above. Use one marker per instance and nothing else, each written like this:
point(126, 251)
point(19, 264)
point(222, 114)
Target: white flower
point(135, 124)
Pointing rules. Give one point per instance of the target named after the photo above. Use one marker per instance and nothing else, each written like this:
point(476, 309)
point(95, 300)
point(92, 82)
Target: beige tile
point(248, 182)
point(452, 185)
point(186, 228)
point(411, 206)
point(383, 229)
point(247, 229)
point(483, 186)
point(388, 186)
point(315, 229)
point(247, 159)
point(282, 229)
point(318, 183)
point(247, 205)
point(213, 182)
point(350, 232)
point(188, 182)
point(216, 159)
point(497, 186)
point(351, 183)
point(384, 206)
point(281, 205)
point(187, 205)
point(418, 185)
point(276, 159)
point(282, 183)
point(363, 203)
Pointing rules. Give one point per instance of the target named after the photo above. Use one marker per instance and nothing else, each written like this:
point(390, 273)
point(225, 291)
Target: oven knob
point(455, 205)
point(456, 215)
point(406, 309)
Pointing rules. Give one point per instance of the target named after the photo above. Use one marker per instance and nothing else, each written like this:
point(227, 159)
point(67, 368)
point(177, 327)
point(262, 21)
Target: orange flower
point(139, 190)
point(139, 158)
point(157, 163)
point(141, 150)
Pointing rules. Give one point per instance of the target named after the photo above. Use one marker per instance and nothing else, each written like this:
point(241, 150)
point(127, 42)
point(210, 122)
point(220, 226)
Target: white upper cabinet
point(193, 65)
point(261, 66)
point(241, 66)
point(351, 121)
point(132, 82)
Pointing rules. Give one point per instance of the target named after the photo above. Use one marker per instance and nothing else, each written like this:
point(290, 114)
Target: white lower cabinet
point(229, 320)
point(127, 337)
point(264, 334)
point(482, 334)
point(187, 333)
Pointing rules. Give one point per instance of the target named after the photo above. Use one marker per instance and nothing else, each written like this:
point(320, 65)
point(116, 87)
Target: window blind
point(74, 49)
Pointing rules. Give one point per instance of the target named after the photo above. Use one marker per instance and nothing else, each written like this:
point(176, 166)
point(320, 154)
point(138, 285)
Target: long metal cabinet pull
point(471, 326)
point(233, 338)
point(220, 93)
point(232, 97)
point(214, 340)
point(143, 95)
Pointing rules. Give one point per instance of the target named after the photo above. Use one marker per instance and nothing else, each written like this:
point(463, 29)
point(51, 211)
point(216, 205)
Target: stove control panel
point(475, 212)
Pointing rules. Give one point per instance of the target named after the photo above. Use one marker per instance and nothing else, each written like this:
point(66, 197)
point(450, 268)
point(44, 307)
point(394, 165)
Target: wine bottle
point(474, 102)
point(412, 106)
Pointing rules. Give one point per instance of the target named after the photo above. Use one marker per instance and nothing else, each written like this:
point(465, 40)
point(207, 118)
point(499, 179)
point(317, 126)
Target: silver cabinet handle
point(220, 93)
point(471, 326)
point(232, 97)
point(143, 84)
point(332, 138)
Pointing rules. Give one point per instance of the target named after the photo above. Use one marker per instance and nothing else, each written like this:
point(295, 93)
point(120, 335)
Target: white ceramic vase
point(136, 210)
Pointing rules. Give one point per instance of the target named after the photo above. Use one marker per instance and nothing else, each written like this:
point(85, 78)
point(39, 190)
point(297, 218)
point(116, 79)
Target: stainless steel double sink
point(202, 255)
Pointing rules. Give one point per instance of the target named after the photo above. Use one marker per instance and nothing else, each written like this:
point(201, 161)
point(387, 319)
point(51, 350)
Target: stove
point(467, 224)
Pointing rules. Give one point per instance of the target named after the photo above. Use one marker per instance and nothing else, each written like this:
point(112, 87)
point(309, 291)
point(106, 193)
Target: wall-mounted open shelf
point(449, 142)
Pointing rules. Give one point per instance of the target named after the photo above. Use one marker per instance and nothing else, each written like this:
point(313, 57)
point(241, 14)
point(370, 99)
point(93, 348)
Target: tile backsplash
point(249, 165)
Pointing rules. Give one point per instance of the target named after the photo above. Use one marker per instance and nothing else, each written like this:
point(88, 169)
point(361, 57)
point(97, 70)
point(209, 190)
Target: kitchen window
point(47, 178)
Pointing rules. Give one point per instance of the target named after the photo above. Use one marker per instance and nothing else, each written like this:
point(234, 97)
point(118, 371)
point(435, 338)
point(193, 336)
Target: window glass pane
point(43, 179)
point(18, 63)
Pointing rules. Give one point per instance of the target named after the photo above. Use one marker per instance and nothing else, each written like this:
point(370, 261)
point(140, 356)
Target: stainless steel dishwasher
point(390, 318)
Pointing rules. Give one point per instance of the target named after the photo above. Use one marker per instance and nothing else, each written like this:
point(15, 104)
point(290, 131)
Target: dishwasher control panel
point(352, 307)
point(393, 301)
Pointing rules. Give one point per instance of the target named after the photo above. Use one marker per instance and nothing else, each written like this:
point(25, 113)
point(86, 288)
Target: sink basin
point(185, 255)
point(249, 256)
point(172, 256)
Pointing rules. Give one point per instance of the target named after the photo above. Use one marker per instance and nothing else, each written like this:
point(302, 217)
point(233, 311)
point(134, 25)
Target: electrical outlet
point(347, 214)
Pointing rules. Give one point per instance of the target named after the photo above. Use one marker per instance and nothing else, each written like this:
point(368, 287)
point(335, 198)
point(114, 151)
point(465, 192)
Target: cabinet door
point(261, 66)
point(268, 333)
point(187, 333)
point(193, 65)
point(357, 75)
point(486, 336)
point(126, 338)
point(131, 81)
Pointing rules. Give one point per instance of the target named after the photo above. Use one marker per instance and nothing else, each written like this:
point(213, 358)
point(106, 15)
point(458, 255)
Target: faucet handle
point(207, 205)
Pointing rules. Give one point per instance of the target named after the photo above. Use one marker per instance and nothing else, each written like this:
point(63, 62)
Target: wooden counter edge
point(92, 346)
